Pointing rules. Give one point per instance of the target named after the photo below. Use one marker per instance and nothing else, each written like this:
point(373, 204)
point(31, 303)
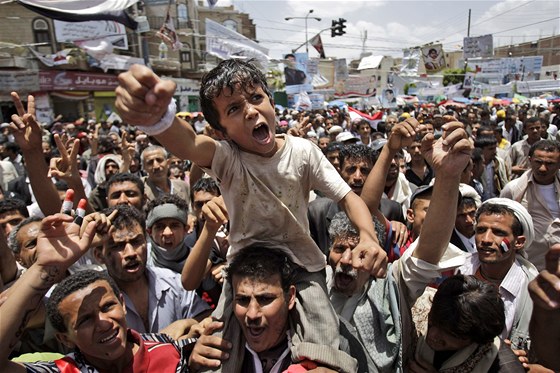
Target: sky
point(392, 26)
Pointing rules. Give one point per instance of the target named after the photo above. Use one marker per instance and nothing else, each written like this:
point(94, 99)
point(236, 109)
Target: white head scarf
point(520, 213)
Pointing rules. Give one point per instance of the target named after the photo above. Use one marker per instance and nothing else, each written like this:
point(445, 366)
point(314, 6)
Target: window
point(182, 13)
point(230, 24)
point(41, 31)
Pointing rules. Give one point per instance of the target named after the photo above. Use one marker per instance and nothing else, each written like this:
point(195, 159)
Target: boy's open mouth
point(261, 133)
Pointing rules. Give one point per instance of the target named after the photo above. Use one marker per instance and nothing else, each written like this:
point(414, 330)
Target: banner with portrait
point(434, 58)
point(389, 98)
point(295, 73)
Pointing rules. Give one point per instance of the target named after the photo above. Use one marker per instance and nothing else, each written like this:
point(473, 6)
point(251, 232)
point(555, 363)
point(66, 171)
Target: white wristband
point(164, 123)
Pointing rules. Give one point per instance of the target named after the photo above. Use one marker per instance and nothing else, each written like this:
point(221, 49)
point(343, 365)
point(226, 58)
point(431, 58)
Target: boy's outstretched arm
point(367, 255)
point(143, 99)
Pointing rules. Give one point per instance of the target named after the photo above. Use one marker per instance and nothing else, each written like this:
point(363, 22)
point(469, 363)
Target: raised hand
point(450, 154)
point(215, 213)
point(65, 167)
point(27, 132)
point(370, 257)
point(403, 134)
point(142, 97)
point(301, 129)
point(59, 244)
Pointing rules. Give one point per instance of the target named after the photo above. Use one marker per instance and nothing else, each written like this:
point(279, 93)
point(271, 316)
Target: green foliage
point(407, 86)
point(275, 80)
point(453, 76)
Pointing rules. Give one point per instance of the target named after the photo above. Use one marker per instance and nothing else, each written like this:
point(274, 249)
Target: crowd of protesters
point(251, 239)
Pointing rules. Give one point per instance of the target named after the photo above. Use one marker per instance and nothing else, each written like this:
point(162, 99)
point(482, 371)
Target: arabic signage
point(66, 32)
point(24, 81)
point(78, 81)
point(481, 46)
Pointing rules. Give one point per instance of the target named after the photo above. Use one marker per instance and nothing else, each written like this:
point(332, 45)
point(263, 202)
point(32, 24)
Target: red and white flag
point(317, 43)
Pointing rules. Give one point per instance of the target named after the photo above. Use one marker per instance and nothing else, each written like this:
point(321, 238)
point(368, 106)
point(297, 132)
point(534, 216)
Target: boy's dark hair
point(121, 177)
point(484, 141)
point(551, 146)
point(70, 285)
point(12, 146)
point(12, 240)
point(168, 198)
point(476, 155)
point(495, 209)
point(261, 263)
point(11, 204)
point(358, 152)
point(233, 75)
point(126, 217)
point(468, 308)
point(205, 184)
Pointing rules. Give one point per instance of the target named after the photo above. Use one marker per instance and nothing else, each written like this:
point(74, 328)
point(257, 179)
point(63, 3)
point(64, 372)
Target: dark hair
point(289, 55)
point(205, 184)
point(468, 308)
point(357, 152)
point(168, 198)
point(69, 285)
point(432, 50)
point(476, 155)
point(484, 141)
point(551, 146)
point(467, 202)
point(12, 237)
point(491, 209)
point(260, 263)
point(531, 120)
point(126, 176)
point(12, 146)
point(334, 146)
point(234, 75)
point(11, 204)
point(126, 217)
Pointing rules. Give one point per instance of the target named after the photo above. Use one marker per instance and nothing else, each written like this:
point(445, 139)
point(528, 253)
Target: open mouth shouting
point(261, 133)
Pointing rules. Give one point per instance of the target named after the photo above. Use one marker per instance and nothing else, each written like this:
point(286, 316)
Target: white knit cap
point(520, 213)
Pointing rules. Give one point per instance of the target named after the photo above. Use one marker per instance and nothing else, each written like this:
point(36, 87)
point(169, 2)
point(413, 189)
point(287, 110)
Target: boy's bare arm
point(143, 99)
point(367, 255)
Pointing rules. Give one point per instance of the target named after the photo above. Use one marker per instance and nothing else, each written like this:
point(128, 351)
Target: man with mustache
point(379, 309)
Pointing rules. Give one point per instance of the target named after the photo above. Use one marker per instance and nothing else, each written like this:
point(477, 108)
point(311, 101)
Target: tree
point(275, 80)
point(454, 76)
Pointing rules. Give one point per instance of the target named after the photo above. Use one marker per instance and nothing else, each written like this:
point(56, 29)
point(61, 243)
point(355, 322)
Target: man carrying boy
point(262, 176)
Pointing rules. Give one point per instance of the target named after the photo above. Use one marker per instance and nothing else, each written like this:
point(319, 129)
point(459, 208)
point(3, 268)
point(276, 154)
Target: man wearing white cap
point(463, 233)
point(503, 229)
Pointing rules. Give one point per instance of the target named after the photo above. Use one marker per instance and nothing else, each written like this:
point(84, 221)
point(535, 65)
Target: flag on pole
point(168, 34)
point(317, 43)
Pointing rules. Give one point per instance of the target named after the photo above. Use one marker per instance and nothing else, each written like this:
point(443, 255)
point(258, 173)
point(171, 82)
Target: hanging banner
point(298, 78)
point(389, 98)
point(356, 86)
point(410, 61)
point(340, 69)
point(67, 32)
point(434, 58)
point(225, 44)
point(480, 46)
point(468, 82)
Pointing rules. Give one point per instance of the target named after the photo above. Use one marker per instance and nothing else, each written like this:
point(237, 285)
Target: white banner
point(225, 43)
point(20, 81)
point(434, 58)
point(480, 46)
point(410, 61)
point(66, 32)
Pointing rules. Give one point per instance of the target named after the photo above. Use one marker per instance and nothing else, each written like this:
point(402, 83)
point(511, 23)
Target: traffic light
point(334, 28)
point(337, 27)
point(342, 26)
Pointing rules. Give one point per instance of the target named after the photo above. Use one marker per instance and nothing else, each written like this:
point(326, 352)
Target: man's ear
point(410, 216)
point(98, 254)
point(121, 298)
point(291, 297)
point(519, 243)
point(65, 340)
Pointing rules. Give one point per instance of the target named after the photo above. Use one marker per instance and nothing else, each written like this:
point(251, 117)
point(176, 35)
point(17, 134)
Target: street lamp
point(306, 17)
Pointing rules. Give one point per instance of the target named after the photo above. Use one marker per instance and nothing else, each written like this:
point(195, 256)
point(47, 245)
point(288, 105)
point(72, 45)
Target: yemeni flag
point(372, 119)
point(317, 43)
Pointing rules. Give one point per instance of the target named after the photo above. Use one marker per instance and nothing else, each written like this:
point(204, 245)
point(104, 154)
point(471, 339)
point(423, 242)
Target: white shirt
point(469, 243)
